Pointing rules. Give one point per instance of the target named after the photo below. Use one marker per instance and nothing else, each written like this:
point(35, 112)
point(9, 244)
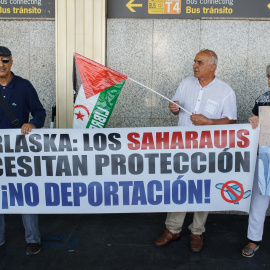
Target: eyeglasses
point(5, 60)
point(268, 76)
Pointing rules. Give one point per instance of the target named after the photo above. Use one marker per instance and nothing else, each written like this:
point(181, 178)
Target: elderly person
point(260, 197)
point(212, 102)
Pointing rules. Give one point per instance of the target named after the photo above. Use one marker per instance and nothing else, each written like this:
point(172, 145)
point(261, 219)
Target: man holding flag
point(212, 102)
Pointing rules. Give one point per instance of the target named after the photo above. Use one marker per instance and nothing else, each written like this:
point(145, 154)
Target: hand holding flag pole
point(160, 95)
point(98, 88)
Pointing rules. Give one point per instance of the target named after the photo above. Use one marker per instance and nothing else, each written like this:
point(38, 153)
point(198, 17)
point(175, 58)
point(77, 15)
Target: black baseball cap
point(4, 51)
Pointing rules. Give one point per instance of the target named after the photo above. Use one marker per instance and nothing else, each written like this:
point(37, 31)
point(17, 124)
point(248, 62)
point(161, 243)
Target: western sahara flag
point(97, 88)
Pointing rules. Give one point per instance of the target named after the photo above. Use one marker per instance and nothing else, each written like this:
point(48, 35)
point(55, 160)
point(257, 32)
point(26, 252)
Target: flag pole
point(160, 95)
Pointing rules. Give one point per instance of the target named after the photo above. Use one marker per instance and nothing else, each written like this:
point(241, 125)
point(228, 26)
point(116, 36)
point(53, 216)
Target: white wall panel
point(81, 28)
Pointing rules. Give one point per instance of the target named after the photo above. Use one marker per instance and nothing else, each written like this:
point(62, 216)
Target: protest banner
point(152, 169)
point(264, 138)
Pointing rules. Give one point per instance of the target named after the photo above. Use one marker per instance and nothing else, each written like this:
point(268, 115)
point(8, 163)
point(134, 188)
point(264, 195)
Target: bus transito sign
point(189, 9)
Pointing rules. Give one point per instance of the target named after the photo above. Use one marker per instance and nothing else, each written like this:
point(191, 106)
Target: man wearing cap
point(22, 98)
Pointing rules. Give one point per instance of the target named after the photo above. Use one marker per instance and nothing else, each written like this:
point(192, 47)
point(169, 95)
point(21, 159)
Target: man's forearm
point(222, 121)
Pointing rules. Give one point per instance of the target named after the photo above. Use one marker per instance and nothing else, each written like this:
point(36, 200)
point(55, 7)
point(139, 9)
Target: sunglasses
point(5, 60)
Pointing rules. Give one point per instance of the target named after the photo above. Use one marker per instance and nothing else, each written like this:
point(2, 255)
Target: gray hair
point(267, 70)
point(212, 54)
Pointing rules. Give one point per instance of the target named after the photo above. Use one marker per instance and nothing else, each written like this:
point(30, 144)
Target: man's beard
point(4, 76)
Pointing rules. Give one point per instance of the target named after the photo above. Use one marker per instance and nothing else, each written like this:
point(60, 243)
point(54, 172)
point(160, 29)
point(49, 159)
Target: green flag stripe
point(104, 106)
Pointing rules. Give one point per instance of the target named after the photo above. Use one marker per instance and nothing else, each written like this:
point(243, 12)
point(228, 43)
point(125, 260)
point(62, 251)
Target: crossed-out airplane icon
point(236, 190)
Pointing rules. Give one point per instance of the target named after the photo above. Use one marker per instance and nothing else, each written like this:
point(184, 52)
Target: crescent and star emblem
point(79, 114)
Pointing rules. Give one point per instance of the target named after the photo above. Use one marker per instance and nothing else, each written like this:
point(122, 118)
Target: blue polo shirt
point(23, 100)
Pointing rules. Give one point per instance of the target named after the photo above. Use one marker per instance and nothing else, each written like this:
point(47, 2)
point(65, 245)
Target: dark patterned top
point(262, 100)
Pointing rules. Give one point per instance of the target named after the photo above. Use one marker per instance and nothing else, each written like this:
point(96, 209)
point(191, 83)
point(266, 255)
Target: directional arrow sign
point(130, 5)
point(188, 9)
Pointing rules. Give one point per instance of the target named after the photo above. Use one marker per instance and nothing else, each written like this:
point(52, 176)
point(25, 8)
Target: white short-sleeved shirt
point(215, 101)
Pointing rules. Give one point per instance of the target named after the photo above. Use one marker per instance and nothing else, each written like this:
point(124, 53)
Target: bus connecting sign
point(18, 9)
point(189, 9)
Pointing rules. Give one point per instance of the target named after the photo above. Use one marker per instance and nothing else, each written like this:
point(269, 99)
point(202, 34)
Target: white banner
point(160, 169)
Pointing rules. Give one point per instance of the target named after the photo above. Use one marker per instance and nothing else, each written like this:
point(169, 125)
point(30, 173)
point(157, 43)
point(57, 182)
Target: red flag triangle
point(96, 77)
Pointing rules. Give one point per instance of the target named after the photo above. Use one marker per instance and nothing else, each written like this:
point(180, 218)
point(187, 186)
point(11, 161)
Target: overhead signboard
point(19, 9)
point(188, 9)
